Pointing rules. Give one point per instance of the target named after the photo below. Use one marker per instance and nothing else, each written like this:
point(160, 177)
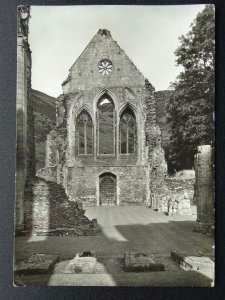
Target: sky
point(148, 34)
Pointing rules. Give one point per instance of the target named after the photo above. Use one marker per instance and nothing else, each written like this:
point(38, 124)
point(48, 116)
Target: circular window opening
point(105, 67)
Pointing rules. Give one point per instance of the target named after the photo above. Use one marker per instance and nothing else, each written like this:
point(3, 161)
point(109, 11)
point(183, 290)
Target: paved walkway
point(126, 229)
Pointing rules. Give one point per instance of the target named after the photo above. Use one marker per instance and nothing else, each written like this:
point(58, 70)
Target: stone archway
point(107, 188)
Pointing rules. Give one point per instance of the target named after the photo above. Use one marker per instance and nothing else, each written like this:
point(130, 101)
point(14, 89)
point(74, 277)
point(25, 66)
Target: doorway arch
point(107, 189)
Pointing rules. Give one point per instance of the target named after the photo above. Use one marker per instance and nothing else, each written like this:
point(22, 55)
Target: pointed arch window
point(128, 132)
point(106, 125)
point(84, 127)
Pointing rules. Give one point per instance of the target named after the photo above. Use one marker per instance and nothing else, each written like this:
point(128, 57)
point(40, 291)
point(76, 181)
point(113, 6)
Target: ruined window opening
point(128, 132)
point(85, 133)
point(106, 125)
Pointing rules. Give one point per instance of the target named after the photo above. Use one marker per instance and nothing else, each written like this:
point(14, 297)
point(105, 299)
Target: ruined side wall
point(44, 122)
point(161, 101)
point(48, 211)
point(156, 159)
point(204, 189)
point(56, 145)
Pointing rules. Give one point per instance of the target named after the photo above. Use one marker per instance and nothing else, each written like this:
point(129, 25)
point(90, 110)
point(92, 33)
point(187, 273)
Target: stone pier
point(25, 161)
point(204, 189)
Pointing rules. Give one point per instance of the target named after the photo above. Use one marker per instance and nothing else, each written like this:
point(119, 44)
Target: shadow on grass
point(154, 238)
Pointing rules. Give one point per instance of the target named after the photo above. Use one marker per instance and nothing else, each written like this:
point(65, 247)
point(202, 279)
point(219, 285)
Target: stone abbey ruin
point(101, 144)
point(106, 146)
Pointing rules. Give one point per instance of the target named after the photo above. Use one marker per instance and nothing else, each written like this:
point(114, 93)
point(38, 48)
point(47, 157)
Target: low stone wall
point(175, 196)
point(48, 211)
point(176, 204)
point(178, 185)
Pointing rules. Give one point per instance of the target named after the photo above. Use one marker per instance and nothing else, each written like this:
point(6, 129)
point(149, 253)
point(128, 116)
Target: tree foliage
point(191, 106)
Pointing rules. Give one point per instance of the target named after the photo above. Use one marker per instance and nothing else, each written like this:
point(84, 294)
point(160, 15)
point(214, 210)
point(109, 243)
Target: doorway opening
point(107, 187)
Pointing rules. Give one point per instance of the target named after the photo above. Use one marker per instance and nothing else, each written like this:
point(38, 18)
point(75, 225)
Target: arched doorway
point(107, 188)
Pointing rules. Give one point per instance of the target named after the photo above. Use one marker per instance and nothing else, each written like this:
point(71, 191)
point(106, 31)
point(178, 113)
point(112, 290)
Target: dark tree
point(191, 106)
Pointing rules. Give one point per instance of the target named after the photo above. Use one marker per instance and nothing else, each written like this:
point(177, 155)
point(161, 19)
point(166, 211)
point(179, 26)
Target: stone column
point(25, 160)
point(21, 106)
point(204, 189)
point(47, 152)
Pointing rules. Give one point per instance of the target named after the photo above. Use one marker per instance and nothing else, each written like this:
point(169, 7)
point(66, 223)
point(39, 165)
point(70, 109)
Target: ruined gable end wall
point(136, 174)
point(84, 74)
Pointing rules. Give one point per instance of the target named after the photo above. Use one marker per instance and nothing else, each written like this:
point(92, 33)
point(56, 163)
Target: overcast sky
point(148, 34)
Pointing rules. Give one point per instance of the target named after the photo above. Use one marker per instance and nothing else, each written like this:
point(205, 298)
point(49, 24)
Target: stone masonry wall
point(132, 186)
point(48, 211)
point(156, 157)
point(84, 73)
point(162, 99)
point(44, 122)
point(48, 173)
point(176, 197)
point(176, 185)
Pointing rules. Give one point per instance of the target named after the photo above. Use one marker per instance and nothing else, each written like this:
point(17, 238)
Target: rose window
point(105, 67)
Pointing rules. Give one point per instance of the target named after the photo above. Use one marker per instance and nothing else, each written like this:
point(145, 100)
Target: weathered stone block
point(83, 262)
point(140, 262)
point(192, 262)
point(36, 264)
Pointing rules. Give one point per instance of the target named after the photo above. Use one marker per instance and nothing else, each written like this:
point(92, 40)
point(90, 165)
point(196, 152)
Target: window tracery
point(105, 67)
point(128, 132)
point(85, 133)
point(106, 125)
